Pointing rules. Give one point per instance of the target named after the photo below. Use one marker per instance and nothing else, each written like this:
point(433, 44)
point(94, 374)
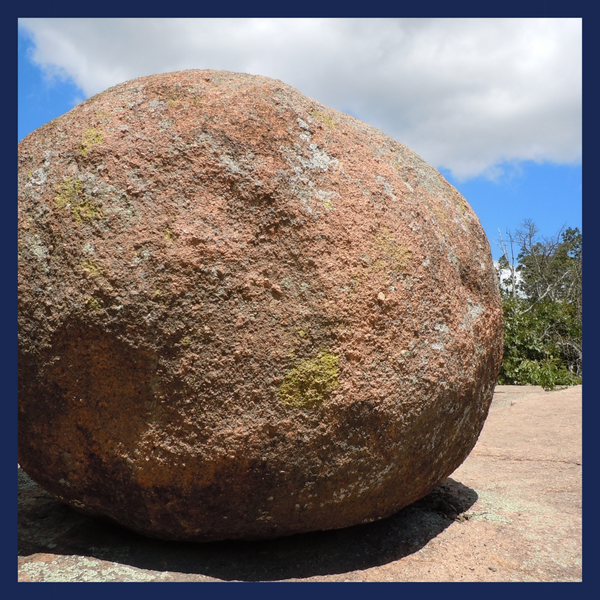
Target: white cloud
point(466, 94)
point(504, 276)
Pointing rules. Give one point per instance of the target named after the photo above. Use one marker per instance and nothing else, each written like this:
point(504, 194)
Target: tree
point(550, 268)
point(542, 305)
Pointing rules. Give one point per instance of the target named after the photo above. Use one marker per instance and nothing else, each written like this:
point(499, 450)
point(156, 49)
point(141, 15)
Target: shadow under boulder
point(48, 526)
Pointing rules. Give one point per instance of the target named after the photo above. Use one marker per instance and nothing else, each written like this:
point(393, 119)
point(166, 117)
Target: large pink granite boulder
point(243, 314)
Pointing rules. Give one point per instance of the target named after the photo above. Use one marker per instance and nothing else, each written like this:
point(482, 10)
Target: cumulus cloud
point(469, 95)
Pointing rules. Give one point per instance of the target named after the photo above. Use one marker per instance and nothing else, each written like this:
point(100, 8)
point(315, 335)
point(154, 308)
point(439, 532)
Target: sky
point(494, 104)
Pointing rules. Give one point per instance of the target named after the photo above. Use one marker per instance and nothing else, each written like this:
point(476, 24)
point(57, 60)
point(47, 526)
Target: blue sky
point(494, 104)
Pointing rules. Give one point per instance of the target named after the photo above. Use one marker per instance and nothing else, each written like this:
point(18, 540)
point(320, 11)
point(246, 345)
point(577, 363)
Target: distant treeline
point(541, 291)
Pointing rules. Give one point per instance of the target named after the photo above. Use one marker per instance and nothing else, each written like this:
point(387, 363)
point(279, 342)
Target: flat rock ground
point(511, 512)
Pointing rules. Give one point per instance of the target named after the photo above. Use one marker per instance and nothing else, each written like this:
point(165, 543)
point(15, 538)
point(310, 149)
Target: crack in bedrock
point(523, 459)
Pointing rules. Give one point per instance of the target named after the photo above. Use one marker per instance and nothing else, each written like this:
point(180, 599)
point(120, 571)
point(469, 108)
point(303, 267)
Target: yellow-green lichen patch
point(323, 117)
point(393, 257)
point(441, 218)
point(355, 281)
point(86, 210)
point(91, 137)
point(103, 117)
point(71, 194)
point(388, 263)
point(91, 268)
point(311, 381)
point(94, 304)
point(172, 93)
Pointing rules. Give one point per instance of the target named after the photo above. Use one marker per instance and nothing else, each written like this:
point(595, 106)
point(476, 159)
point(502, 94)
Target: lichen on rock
point(91, 137)
point(310, 381)
point(72, 195)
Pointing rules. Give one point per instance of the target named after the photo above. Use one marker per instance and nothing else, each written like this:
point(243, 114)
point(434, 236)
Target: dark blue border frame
point(308, 8)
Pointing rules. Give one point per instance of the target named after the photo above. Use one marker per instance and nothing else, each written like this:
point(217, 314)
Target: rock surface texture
point(243, 314)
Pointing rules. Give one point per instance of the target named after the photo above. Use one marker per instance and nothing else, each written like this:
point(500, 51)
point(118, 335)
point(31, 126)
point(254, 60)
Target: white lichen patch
point(88, 248)
point(474, 311)
point(441, 327)
point(317, 159)
point(304, 125)
point(326, 198)
point(166, 124)
point(231, 165)
point(388, 188)
point(453, 259)
point(38, 177)
point(85, 569)
point(37, 248)
point(31, 243)
point(264, 516)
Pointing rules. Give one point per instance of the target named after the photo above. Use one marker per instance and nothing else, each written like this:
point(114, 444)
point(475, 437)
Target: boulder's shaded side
point(243, 314)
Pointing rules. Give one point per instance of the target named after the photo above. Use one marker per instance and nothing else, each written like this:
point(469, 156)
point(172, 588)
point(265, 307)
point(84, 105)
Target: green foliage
point(541, 303)
point(551, 268)
point(311, 381)
point(537, 344)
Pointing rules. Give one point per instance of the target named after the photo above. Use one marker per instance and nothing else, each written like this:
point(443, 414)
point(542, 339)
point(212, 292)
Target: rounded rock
point(243, 314)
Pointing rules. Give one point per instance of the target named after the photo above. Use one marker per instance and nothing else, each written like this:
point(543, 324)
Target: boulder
point(243, 314)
